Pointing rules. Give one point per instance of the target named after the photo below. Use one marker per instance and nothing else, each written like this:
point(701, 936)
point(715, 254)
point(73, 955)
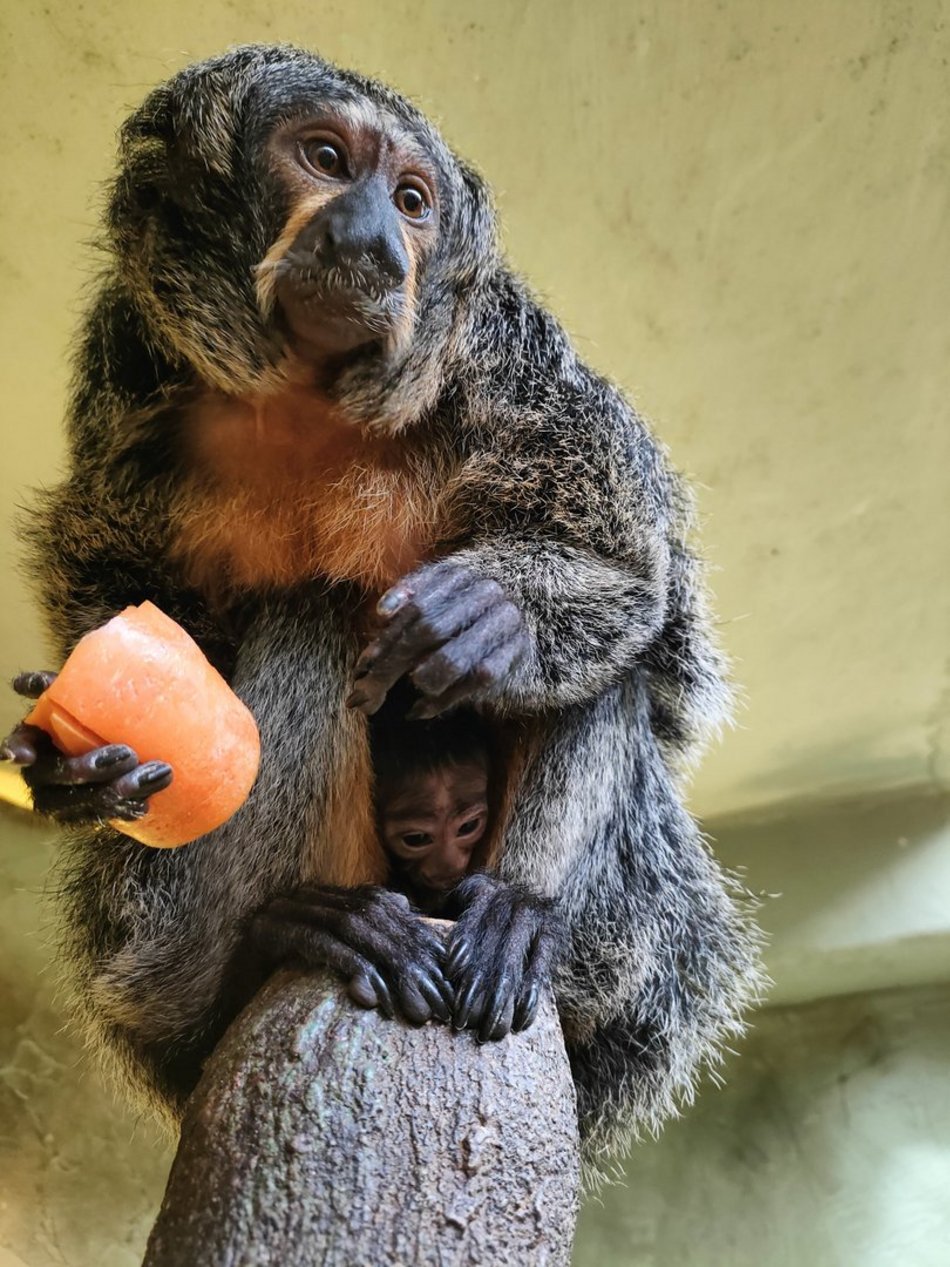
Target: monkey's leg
point(389, 957)
point(662, 958)
point(500, 955)
point(106, 783)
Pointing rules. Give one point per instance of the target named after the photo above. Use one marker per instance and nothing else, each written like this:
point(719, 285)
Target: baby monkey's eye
point(469, 826)
point(323, 157)
point(412, 202)
point(416, 839)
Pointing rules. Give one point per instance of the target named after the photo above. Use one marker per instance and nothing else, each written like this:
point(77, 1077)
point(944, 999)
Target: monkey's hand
point(457, 634)
point(499, 955)
point(107, 783)
point(389, 957)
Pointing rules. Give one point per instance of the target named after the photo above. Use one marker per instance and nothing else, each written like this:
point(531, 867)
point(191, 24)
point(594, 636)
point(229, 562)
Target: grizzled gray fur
point(553, 486)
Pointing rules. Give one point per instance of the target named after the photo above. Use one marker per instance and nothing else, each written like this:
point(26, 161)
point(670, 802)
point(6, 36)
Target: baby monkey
point(435, 787)
point(433, 804)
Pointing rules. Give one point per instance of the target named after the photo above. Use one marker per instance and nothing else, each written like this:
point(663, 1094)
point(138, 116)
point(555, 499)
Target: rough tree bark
point(322, 1135)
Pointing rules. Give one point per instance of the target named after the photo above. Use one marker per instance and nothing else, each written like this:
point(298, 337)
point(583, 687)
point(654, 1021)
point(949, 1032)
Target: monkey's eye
point(412, 202)
point(416, 839)
point(323, 157)
point(470, 825)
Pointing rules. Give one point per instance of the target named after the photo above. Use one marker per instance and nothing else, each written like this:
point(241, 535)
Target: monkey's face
point(363, 218)
point(432, 823)
point(267, 201)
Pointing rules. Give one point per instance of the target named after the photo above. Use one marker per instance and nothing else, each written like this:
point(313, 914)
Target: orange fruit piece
point(141, 680)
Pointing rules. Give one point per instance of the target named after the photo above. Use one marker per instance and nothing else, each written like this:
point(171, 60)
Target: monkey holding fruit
point(310, 394)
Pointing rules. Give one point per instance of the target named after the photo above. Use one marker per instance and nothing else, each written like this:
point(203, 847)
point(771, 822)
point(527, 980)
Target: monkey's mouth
point(336, 309)
point(440, 883)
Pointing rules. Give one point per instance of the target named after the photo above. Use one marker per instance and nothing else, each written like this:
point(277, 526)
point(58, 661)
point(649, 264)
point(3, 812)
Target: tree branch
point(324, 1134)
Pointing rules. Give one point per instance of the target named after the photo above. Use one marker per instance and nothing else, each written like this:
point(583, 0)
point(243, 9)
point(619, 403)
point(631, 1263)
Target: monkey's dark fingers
point(434, 582)
point(490, 969)
point(99, 766)
point(74, 790)
point(465, 653)
point(84, 804)
point(25, 745)
point(475, 685)
point(459, 955)
point(389, 940)
point(526, 1007)
point(152, 777)
point(439, 995)
point(540, 959)
point(499, 1012)
point(429, 618)
point(478, 658)
point(277, 940)
point(409, 966)
point(446, 586)
point(469, 1002)
point(505, 975)
point(332, 903)
point(499, 955)
point(34, 682)
point(368, 989)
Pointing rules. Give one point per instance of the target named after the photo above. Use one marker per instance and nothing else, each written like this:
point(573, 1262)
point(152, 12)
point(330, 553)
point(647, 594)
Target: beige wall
point(739, 209)
point(80, 1178)
point(828, 1148)
point(741, 212)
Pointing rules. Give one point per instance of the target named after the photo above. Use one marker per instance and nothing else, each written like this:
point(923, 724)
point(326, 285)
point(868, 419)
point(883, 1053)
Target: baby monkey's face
point(432, 822)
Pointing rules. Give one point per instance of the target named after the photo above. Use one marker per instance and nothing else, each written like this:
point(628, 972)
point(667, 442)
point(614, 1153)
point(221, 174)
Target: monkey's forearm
point(521, 626)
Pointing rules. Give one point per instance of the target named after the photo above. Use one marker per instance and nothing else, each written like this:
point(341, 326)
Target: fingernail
point(153, 776)
point(105, 759)
point(5, 753)
point(391, 602)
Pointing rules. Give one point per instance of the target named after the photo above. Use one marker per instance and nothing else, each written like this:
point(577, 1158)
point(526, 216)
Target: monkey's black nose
point(360, 231)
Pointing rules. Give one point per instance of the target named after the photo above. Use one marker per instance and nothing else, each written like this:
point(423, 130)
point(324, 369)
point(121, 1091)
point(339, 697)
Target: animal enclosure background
point(740, 212)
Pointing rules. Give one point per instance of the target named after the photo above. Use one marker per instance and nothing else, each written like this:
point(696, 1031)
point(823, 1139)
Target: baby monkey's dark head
point(432, 798)
point(272, 210)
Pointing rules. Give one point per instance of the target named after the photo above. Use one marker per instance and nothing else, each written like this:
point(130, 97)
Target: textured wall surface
point(80, 1177)
point(740, 210)
point(830, 1147)
point(856, 893)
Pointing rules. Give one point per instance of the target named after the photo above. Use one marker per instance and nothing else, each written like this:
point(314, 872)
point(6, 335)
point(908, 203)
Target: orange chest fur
point(283, 490)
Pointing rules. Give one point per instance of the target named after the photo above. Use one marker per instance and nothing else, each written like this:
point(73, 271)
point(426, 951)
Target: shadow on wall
point(841, 770)
point(859, 891)
point(829, 1146)
point(80, 1177)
